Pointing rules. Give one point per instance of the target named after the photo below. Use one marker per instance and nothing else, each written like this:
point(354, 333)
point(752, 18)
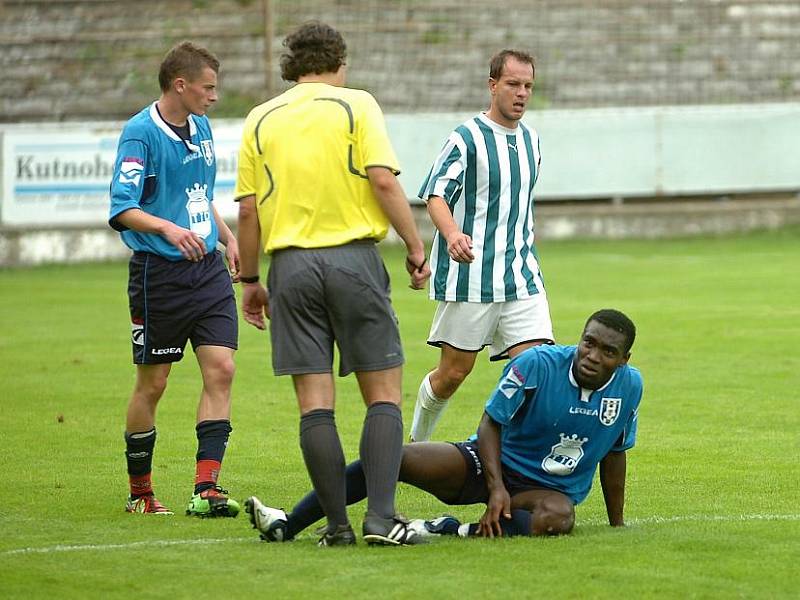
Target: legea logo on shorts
point(160, 351)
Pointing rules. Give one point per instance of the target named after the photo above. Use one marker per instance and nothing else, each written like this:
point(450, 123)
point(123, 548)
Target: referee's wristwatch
point(253, 279)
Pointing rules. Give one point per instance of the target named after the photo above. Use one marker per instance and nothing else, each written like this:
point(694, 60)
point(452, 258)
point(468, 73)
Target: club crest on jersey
point(609, 410)
point(513, 380)
point(199, 210)
point(565, 455)
point(207, 147)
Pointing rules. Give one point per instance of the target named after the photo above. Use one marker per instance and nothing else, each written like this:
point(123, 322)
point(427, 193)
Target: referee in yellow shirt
point(317, 189)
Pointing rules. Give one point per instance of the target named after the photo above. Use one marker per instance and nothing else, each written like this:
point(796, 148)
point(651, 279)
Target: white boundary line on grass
point(654, 520)
point(659, 520)
point(128, 546)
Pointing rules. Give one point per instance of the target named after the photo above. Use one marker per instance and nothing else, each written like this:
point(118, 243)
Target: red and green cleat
point(147, 504)
point(213, 502)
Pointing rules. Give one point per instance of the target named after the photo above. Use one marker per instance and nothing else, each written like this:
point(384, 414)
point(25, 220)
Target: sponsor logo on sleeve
point(130, 171)
point(513, 380)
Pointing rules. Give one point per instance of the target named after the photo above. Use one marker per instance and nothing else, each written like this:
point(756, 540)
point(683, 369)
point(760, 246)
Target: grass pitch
point(713, 488)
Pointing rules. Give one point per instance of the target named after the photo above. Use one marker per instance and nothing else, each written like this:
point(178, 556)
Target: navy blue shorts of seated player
point(475, 491)
point(175, 301)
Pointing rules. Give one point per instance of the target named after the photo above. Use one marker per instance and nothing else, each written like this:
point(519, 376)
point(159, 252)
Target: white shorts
point(471, 326)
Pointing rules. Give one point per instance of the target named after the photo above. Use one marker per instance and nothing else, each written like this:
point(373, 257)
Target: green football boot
point(213, 502)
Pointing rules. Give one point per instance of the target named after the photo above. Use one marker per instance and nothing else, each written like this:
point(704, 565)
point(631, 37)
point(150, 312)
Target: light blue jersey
point(165, 176)
point(555, 432)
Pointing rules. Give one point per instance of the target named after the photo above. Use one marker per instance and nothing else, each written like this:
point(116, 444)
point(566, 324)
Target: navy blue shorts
point(475, 491)
point(172, 302)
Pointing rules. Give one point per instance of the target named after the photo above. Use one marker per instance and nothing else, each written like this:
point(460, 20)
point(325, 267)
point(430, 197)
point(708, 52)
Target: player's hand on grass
point(499, 504)
point(191, 245)
point(232, 256)
point(255, 304)
point(419, 270)
point(459, 247)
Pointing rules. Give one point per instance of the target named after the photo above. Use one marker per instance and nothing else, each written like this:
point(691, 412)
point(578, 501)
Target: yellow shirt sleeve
point(372, 139)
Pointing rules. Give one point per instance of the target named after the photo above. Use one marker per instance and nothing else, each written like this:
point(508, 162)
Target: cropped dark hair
point(614, 319)
point(499, 61)
point(185, 60)
point(313, 47)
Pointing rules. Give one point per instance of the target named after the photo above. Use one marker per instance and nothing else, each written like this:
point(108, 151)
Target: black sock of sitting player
point(308, 510)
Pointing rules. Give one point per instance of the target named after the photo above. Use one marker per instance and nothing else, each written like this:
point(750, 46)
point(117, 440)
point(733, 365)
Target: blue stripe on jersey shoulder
point(425, 192)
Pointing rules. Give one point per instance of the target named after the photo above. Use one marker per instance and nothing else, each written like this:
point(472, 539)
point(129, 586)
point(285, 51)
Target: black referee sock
point(381, 452)
point(324, 458)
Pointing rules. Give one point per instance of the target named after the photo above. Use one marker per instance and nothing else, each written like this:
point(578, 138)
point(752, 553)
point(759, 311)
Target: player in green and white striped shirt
point(486, 275)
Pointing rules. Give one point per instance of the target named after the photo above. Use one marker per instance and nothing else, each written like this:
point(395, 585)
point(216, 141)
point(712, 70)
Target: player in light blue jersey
point(486, 276)
point(556, 414)
point(179, 288)
point(168, 175)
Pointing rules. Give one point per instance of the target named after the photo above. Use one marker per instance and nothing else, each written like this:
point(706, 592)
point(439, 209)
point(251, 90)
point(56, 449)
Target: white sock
point(427, 412)
point(463, 530)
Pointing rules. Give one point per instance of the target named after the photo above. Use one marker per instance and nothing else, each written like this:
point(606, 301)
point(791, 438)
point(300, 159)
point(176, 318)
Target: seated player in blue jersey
point(555, 415)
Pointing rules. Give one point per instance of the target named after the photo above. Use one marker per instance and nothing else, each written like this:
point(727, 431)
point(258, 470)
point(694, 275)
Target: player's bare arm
point(255, 302)
point(228, 240)
point(499, 502)
point(394, 203)
point(191, 245)
point(612, 480)
point(459, 244)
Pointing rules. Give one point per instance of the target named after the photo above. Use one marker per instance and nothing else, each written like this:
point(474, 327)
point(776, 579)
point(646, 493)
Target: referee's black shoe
point(396, 531)
point(342, 535)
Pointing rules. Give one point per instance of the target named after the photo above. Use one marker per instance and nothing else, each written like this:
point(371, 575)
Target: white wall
point(58, 174)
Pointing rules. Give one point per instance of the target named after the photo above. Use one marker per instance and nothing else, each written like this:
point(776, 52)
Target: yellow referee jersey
point(304, 156)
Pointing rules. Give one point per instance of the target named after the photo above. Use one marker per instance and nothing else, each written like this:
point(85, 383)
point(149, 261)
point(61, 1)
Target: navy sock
point(212, 439)
point(139, 456)
point(308, 510)
point(518, 524)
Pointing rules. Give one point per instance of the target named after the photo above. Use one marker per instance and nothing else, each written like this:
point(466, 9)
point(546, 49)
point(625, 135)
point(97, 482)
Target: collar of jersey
point(171, 134)
point(497, 127)
point(575, 383)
